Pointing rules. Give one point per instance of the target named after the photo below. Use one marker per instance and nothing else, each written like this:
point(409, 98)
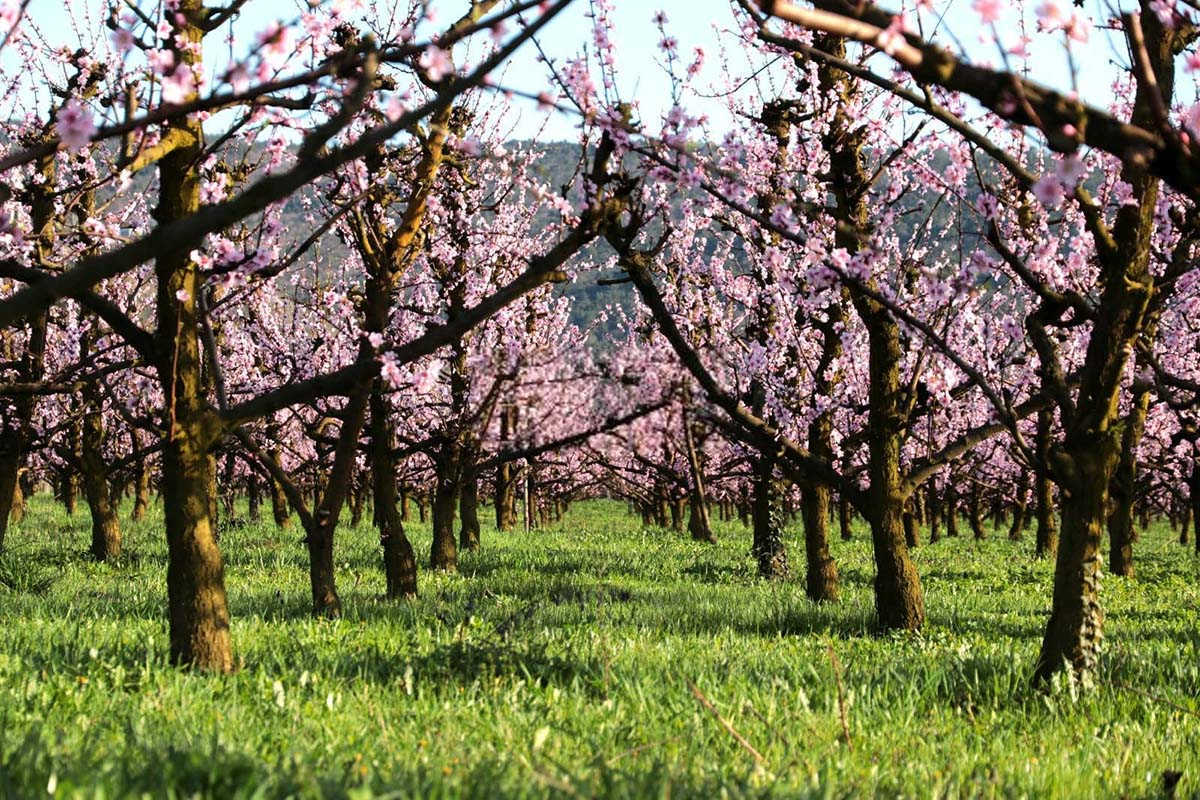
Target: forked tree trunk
point(322, 526)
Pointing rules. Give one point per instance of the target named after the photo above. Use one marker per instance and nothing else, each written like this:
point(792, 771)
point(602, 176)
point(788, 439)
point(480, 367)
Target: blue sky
point(693, 23)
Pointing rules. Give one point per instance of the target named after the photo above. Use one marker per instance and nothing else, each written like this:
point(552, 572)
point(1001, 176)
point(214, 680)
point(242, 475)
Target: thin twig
point(704, 701)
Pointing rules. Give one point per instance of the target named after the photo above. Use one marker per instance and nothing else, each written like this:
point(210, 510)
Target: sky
point(695, 23)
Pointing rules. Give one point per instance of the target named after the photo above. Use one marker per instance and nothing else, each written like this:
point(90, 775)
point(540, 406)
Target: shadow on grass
point(222, 771)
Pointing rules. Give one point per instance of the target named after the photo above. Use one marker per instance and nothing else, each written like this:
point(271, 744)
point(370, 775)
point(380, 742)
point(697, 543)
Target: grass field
point(558, 664)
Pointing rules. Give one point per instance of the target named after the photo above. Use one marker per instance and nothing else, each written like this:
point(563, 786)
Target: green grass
point(558, 664)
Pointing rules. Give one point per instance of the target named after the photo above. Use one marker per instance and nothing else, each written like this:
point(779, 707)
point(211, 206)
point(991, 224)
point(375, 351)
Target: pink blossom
point(1051, 16)
point(122, 39)
point(1049, 190)
point(989, 11)
point(179, 85)
point(1191, 119)
point(891, 37)
point(75, 125)
point(1165, 11)
point(436, 63)
point(161, 61)
point(390, 371)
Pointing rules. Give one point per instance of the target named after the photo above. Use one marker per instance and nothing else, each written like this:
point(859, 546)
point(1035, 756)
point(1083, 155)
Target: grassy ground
point(558, 663)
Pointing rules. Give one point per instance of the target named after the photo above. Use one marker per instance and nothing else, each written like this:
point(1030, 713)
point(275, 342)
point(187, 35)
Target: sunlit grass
point(558, 663)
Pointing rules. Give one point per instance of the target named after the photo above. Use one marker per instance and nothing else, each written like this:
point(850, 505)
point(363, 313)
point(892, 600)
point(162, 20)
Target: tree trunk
point(768, 545)
point(1194, 506)
point(699, 525)
point(912, 531)
point(845, 518)
point(254, 498)
point(198, 610)
point(899, 600)
point(197, 606)
point(1073, 633)
point(934, 513)
point(468, 536)
point(1121, 532)
point(821, 575)
point(141, 496)
point(1091, 451)
point(506, 490)
point(1020, 509)
point(676, 507)
point(399, 559)
point(279, 501)
point(106, 530)
point(1186, 524)
point(973, 515)
point(951, 511)
point(698, 521)
point(358, 503)
point(444, 555)
point(1047, 523)
point(69, 487)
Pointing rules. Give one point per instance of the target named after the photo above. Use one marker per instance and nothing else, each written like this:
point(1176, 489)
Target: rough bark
point(505, 484)
point(197, 607)
point(768, 519)
point(444, 553)
point(1121, 531)
point(1047, 522)
point(399, 559)
point(106, 529)
point(468, 536)
point(1091, 448)
point(279, 502)
point(1020, 509)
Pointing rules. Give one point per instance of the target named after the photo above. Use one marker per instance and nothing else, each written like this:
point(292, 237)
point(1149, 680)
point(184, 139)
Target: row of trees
point(314, 274)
